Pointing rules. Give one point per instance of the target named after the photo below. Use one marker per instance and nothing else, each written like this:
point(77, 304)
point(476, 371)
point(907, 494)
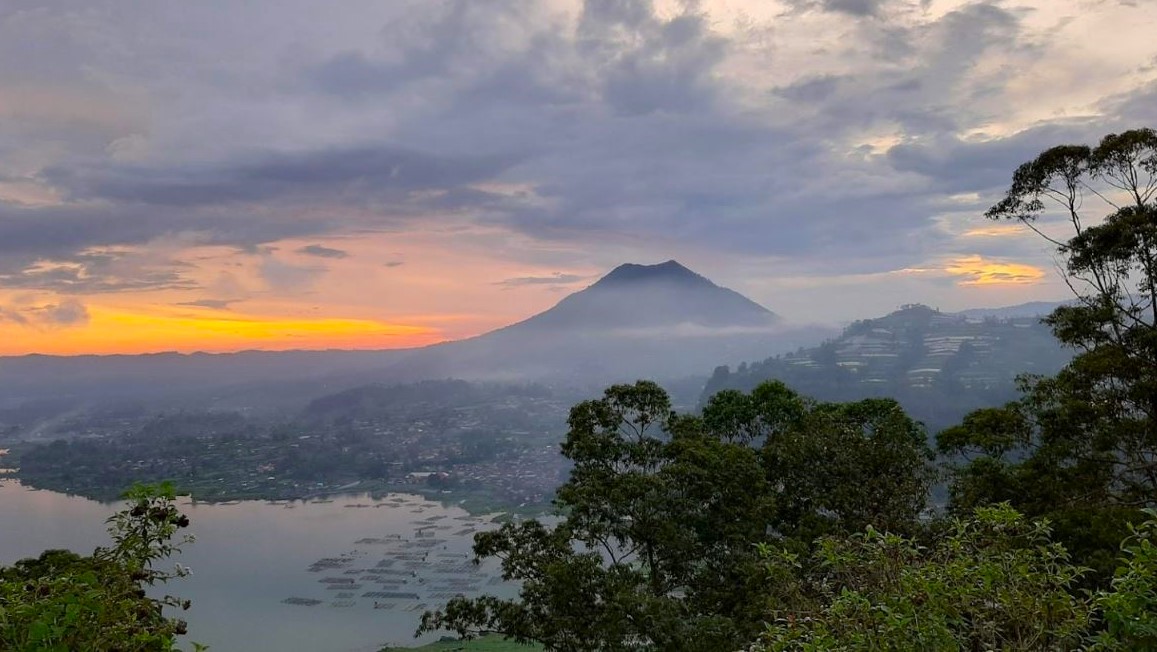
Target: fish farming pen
point(391, 595)
point(453, 581)
point(304, 602)
point(426, 543)
point(385, 541)
point(462, 569)
point(330, 563)
point(426, 566)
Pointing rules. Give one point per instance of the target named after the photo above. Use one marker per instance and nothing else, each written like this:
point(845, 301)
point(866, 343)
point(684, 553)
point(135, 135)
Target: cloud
point(859, 8)
point(976, 270)
point(281, 276)
point(12, 315)
point(813, 89)
point(827, 140)
point(69, 312)
point(322, 252)
point(66, 314)
point(98, 272)
point(558, 278)
point(380, 171)
point(215, 304)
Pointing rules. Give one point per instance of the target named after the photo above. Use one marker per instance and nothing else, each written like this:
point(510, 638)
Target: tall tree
point(1081, 446)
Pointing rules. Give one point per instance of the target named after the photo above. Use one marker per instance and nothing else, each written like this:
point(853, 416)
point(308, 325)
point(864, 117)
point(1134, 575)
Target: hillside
point(938, 365)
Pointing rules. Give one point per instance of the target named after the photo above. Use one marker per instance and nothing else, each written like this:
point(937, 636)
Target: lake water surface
point(252, 555)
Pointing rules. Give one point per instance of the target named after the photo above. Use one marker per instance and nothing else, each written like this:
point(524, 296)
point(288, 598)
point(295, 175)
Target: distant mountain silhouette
point(1030, 309)
point(644, 296)
point(638, 321)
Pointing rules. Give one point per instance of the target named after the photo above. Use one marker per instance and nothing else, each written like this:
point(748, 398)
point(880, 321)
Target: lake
point(356, 569)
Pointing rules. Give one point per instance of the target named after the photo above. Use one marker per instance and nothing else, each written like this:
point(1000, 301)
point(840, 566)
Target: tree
point(62, 601)
point(1129, 609)
point(654, 549)
point(1081, 447)
point(994, 581)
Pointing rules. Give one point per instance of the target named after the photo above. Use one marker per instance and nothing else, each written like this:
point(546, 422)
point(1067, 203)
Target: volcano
point(638, 321)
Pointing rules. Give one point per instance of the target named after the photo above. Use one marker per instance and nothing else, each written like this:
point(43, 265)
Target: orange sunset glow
point(336, 191)
point(113, 331)
point(977, 270)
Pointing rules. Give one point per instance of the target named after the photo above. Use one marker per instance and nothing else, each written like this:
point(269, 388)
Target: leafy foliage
point(654, 549)
point(1129, 609)
point(62, 601)
point(993, 582)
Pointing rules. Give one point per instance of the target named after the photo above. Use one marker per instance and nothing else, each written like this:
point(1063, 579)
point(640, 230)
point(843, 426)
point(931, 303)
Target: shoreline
point(476, 503)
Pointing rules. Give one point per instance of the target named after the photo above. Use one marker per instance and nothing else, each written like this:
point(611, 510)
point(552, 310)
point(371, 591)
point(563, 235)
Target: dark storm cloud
point(322, 252)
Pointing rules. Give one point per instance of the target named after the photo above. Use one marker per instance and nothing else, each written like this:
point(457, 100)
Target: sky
point(280, 174)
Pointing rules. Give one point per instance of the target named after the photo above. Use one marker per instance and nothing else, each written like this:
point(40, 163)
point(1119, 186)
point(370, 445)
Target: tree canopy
point(654, 547)
point(804, 525)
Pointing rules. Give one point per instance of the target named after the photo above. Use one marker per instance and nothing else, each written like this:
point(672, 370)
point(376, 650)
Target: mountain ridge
point(938, 365)
point(635, 296)
point(636, 321)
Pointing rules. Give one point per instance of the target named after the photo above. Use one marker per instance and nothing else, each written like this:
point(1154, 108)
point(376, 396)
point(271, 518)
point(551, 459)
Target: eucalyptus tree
point(1081, 447)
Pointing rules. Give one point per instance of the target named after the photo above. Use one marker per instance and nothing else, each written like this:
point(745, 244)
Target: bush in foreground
point(61, 601)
